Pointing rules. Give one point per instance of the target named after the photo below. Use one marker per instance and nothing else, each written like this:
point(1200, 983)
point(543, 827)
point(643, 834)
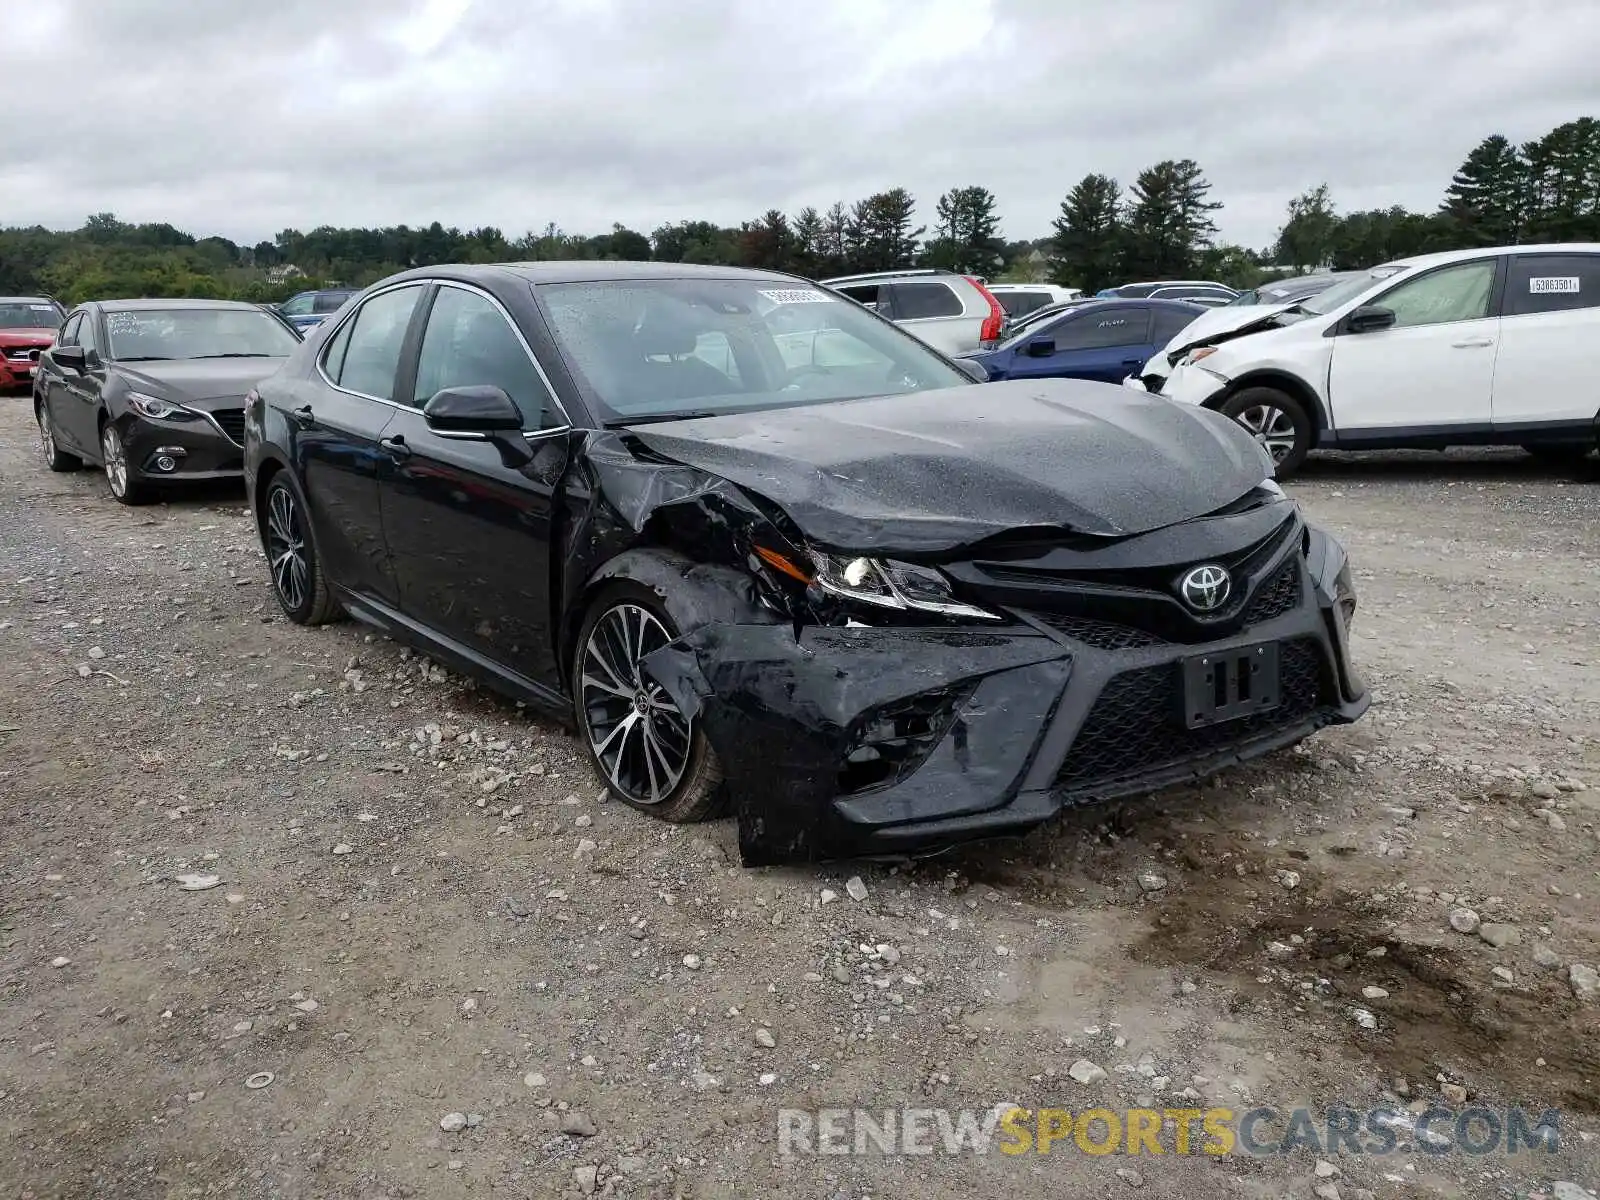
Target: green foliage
point(1545, 190)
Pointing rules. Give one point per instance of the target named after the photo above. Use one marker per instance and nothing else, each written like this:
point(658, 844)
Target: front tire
point(297, 580)
point(54, 457)
point(125, 489)
point(651, 756)
point(1278, 421)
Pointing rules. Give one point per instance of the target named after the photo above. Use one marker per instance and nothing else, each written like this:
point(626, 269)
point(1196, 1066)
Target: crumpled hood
point(184, 380)
point(933, 471)
point(1220, 324)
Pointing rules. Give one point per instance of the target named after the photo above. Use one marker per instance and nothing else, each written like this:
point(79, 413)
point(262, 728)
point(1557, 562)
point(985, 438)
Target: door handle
point(1473, 343)
point(1133, 362)
point(396, 446)
point(304, 417)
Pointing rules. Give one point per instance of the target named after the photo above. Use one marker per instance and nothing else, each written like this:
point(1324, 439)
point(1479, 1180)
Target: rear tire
point(1278, 421)
point(649, 754)
point(54, 457)
point(292, 563)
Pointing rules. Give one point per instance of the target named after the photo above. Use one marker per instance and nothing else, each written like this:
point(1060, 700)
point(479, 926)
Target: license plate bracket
point(1225, 685)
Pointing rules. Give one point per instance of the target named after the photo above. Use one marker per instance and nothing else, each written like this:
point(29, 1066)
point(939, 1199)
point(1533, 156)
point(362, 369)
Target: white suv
point(1496, 346)
point(952, 313)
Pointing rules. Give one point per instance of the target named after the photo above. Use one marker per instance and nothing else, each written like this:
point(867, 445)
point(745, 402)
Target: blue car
point(1107, 340)
point(307, 310)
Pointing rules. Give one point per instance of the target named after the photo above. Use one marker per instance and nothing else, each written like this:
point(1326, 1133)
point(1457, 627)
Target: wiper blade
point(658, 418)
point(234, 355)
point(141, 358)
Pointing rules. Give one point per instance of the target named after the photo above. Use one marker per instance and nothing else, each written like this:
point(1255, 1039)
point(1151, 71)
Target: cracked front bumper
point(1015, 723)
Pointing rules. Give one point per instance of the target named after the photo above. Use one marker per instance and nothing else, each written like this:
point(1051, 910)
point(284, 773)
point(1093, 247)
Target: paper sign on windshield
point(797, 296)
point(1542, 285)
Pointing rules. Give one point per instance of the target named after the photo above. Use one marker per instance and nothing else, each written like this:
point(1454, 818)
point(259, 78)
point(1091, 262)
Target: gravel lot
point(425, 906)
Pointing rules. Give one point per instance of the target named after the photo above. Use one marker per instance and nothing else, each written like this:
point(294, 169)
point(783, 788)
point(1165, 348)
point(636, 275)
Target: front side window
point(1546, 283)
point(923, 301)
point(1459, 293)
point(298, 306)
point(89, 338)
point(469, 343)
point(69, 332)
point(656, 349)
point(370, 354)
point(1340, 294)
point(151, 334)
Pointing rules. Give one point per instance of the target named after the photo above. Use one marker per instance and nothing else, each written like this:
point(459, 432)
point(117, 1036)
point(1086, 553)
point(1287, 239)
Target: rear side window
point(919, 301)
point(327, 302)
point(1545, 283)
point(1097, 330)
point(370, 353)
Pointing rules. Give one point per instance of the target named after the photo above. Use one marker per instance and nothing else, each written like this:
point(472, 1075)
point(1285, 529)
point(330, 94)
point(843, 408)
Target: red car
point(28, 327)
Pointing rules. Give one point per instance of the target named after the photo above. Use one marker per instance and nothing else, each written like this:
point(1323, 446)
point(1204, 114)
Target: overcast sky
point(243, 117)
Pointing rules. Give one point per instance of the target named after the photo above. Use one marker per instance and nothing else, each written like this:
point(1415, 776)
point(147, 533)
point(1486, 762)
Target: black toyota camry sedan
point(760, 546)
point(153, 390)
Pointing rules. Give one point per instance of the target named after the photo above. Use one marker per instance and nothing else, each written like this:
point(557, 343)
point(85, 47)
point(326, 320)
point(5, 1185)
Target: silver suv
point(953, 313)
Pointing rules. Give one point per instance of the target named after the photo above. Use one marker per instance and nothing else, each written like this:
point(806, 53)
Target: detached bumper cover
point(1020, 721)
point(1192, 385)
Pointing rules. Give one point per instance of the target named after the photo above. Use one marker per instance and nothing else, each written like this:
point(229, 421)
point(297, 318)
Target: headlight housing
point(154, 406)
point(888, 583)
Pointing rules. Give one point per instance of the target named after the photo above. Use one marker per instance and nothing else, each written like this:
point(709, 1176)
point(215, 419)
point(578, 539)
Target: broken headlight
point(886, 583)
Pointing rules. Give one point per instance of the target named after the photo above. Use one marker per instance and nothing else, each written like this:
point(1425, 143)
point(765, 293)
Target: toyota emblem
point(1206, 588)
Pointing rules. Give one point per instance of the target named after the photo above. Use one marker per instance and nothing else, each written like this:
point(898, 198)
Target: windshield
point(1244, 298)
point(661, 349)
point(28, 314)
point(1342, 293)
point(171, 333)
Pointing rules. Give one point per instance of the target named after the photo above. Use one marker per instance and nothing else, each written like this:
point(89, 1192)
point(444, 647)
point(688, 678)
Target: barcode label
point(797, 296)
point(1545, 284)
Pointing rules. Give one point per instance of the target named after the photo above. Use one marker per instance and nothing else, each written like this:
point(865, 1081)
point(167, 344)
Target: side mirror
point(75, 357)
point(1368, 318)
point(1041, 347)
point(973, 369)
point(481, 408)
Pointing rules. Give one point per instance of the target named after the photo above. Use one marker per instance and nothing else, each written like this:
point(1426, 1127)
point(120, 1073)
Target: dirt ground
point(426, 907)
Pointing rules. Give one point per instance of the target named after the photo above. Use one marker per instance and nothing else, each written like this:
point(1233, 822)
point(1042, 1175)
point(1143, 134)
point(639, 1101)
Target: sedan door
point(1545, 374)
point(50, 383)
point(77, 407)
point(1105, 344)
point(339, 420)
point(1430, 372)
point(468, 516)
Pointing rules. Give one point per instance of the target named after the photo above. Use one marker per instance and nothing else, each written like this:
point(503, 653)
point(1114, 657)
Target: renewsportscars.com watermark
point(1262, 1131)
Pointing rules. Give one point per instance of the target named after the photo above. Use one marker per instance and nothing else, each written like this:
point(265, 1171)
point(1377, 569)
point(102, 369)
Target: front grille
point(1101, 634)
point(1277, 595)
point(1135, 725)
point(23, 353)
point(232, 422)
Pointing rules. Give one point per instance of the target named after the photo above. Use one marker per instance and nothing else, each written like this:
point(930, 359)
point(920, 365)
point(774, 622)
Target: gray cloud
point(244, 118)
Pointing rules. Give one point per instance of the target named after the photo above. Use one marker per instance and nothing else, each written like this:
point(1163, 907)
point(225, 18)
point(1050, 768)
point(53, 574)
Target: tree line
point(1162, 226)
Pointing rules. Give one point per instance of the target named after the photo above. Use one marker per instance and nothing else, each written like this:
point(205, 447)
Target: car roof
point(587, 271)
point(1441, 257)
point(1099, 302)
point(26, 300)
point(150, 305)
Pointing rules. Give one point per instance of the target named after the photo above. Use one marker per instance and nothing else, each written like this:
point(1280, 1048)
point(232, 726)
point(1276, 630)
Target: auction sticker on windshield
point(1545, 284)
point(797, 296)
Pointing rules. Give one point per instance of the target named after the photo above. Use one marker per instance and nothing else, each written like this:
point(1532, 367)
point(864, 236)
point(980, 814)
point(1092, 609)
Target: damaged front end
point(878, 701)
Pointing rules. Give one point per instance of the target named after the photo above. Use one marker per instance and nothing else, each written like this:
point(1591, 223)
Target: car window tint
point(333, 353)
point(1544, 283)
point(1096, 330)
point(1168, 323)
point(373, 351)
point(69, 332)
point(921, 301)
point(1459, 293)
point(470, 343)
point(87, 337)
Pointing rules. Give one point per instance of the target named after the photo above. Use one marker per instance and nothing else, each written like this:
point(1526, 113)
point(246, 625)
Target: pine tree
point(969, 233)
point(1086, 250)
point(1487, 201)
point(1169, 220)
point(1307, 237)
point(884, 237)
point(1563, 192)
